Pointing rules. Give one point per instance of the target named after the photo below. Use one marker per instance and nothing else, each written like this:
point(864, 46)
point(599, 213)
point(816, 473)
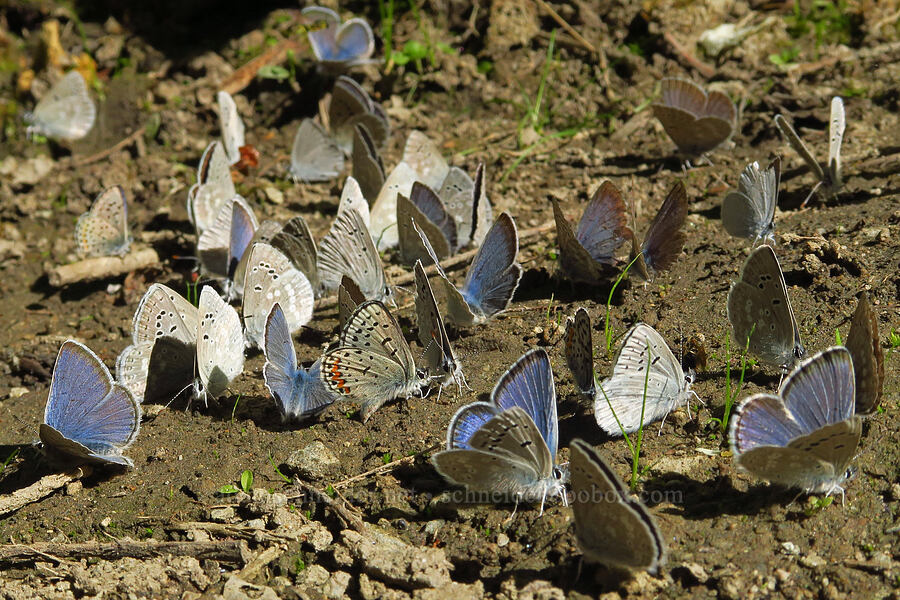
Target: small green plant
point(9, 459)
point(731, 393)
point(786, 57)
point(607, 330)
point(387, 457)
point(60, 202)
point(894, 339)
point(247, 480)
point(814, 504)
point(147, 532)
point(234, 408)
point(837, 337)
point(192, 294)
point(828, 20)
point(299, 563)
point(549, 309)
point(330, 491)
point(486, 531)
point(276, 72)
point(634, 447)
point(534, 117)
point(278, 472)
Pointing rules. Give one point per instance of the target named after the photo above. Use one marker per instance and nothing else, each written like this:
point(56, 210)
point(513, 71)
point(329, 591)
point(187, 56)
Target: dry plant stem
point(565, 25)
point(40, 489)
point(133, 137)
point(242, 77)
point(448, 264)
point(345, 515)
point(230, 551)
point(237, 531)
point(383, 468)
point(706, 70)
point(102, 267)
point(259, 562)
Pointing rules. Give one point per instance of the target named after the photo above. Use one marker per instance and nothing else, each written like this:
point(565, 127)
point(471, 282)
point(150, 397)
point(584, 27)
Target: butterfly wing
point(315, 156)
point(868, 357)
point(749, 212)
point(349, 297)
point(410, 246)
point(298, 393)
point(579, 352)
point(272, 279)
point(348, 250)
point(697, 123)
point(799, 147)
point(665, 238)
point(164, 312)
point(603, 227)
point(822, 390)
point(433, 336)
point(352, 199)
point(87, 408)
point(213, 189)
point(348, 101)
point(647, 381)
point(355, 42)
point(494, 275)
point(231, 125)
point(103, 230)
point(835, 138)
point(384, 210)
point(220, 343)
point(368, 168)
point(759, 309)
point(611, 527)
point(424, 158)
point(66, 112)
point(296, 242)
point(467, 420)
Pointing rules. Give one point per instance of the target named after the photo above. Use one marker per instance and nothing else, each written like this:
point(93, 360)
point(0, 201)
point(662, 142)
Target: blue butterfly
point(339, 45)
point(298, 392)
point(88, 416)
point(491, 280)
point(508, 445)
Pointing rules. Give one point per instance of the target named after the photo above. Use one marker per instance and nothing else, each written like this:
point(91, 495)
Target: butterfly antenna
point(813, 191)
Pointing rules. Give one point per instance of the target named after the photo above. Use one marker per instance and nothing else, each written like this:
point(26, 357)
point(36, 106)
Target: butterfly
point(221, 247)
point(749, 212)
point(214, 187)
point(339, 45)
point(349, 297)
point(298, 392)
point(348, 249)
point(611, 526)
point(88, 417)
point(295, 241)
point(630, 398)
point(580, 352)
point(368, 169)
point(587, 254)
point(200, 347)
point(697, 121)
point(232, 127)
point(830, 180)
point(351, 106)
point(270, 278)
point(759, 310)
point(491, 280)
point(806, 436)
point(427, 211)
point(467, 202)
point(159, 363)
point(868, 357)
point(66, 112)
point(508, 446)
point(103, 230)
point(315, 156)
point(372, 364)
point(665, 239)
point(440, 360)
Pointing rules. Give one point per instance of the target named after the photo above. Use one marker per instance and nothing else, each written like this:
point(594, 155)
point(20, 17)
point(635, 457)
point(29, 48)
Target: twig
point(565, 25)
point(80, 162)
point(231, 551)
point(705, 69)
point(259, 562)
point(383, 468)
point(238, 531)
point(40, 489)
point(345, 515)
point(242, 77)
point(448, 264)
point(102, 267)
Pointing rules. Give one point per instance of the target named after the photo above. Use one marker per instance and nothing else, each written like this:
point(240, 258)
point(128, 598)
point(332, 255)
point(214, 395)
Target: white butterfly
point(315, 155)
point(829, 178)
point(232, 127)
point(103, 230)
point(213, 188)
point(66, 112)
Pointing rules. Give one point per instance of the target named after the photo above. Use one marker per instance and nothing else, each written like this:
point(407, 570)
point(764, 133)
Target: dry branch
point(230, 551)
point(102, 267)
point(242, 77)
point(40, 489)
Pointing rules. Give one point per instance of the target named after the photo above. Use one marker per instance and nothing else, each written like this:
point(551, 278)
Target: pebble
point(221, 515)
point(790, 548)
point(312, 462)
point(393, 561)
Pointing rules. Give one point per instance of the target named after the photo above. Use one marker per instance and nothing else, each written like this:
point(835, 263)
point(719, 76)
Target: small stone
point(790, 548)
point(336, 585)
point(732, 587)
point(314, 461)
point(313, 576)
point(74, 488)
point(782, 575)
point(105, 522)
point(274, 195)
point(895, 488)
point(695, 572)
point(456, 591)
point(812, 561)
point(393, 561)
point(238, 589)
point(166, 90)
point(30, 171)
point(18, 392)
point(432, 527)
point(264, 503)
point(255, 523)
point(221, 515)
point(502, 540)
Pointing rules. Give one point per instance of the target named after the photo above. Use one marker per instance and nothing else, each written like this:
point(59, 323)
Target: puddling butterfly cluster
point(503, 449)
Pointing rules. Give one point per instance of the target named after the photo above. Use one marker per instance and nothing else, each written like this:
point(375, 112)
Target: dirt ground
point(728, 535)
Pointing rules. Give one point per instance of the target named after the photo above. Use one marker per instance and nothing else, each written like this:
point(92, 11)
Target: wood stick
point(565, 25)
point(40, 489)
point(384, 468)
point(259, 562)
point(242, 77)
point(102, 267)
point(231, 551)
point(448, 264)
point(706, 70)
point(79, 162)
point(314, 495)
point(240, 531)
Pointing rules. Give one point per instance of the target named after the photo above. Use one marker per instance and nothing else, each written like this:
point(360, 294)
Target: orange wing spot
point(338, 380)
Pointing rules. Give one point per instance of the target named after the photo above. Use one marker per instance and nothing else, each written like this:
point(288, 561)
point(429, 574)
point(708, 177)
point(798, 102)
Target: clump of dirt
point(371, 517)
